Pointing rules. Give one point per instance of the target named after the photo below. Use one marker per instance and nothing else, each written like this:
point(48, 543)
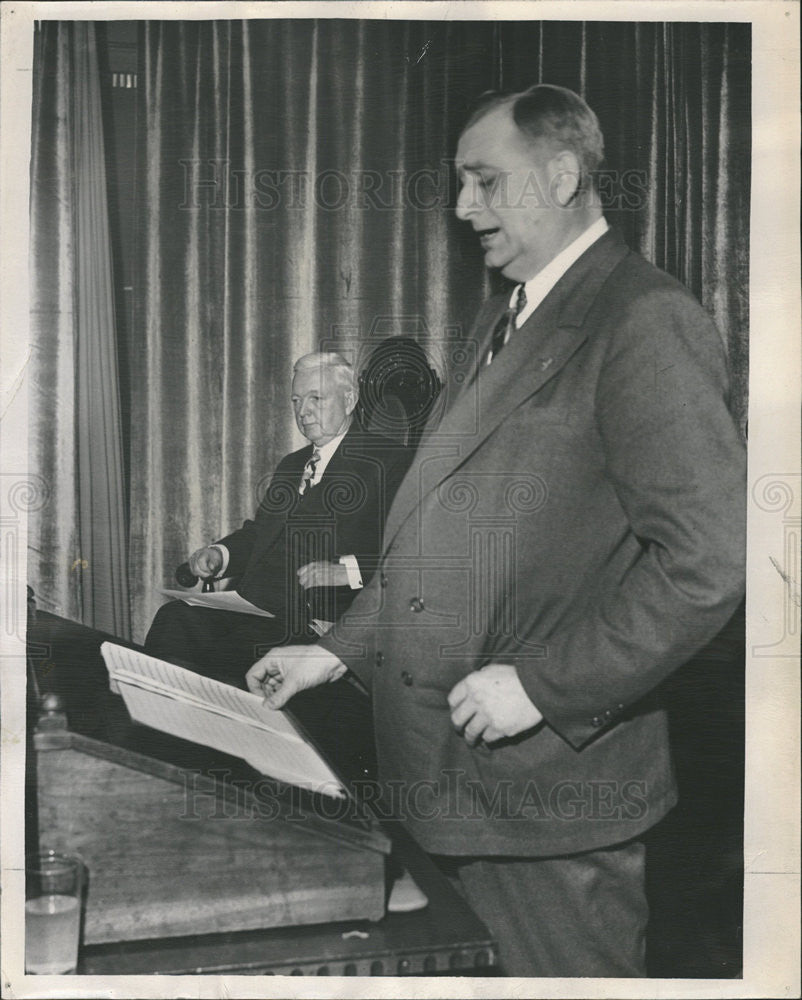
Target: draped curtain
point(295, 189)
point(293, 194)
point(78, 541)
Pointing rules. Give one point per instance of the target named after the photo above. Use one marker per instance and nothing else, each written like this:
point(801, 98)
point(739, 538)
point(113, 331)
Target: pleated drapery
point(78, 563)
point(294, 192)
point(295, 188)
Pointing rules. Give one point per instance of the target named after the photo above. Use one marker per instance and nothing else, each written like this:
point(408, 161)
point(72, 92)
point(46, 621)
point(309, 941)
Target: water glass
point(53, 896)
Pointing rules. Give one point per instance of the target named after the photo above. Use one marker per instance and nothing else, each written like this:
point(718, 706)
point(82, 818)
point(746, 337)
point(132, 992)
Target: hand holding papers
point(197, 708)
point(285, 671)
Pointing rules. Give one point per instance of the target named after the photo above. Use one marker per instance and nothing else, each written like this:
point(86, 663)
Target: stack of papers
point(197, 708)
point(222, 600)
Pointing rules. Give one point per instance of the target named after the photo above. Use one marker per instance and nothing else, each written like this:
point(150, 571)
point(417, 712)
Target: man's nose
point(467, 201)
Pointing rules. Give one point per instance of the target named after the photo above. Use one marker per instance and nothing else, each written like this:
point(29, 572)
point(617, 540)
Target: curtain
point(293, 192)
point(78, 541)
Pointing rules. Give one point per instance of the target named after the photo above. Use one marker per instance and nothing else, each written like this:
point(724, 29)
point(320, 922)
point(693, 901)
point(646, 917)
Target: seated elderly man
point(313, 543)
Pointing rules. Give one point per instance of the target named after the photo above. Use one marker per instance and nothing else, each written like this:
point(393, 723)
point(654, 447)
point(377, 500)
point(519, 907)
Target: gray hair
point(341, 371)
point(556, 115)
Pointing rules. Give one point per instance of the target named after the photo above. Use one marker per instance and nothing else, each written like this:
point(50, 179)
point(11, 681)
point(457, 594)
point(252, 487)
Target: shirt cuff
point(352, 569)
point(320, 626)
point(226, 556)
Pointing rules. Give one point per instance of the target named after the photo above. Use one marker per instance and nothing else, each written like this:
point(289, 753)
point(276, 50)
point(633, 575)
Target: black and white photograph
point(400, 499)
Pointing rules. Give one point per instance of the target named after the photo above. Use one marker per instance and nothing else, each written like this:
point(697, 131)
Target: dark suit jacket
point(343, 514)
point(580, 513)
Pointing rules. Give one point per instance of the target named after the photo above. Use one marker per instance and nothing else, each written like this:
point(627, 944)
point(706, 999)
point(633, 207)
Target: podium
point(172, 851)
point(199, 864)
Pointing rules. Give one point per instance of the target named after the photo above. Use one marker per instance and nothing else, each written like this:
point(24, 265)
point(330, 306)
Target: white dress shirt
point(538, 288)
point(325, 451)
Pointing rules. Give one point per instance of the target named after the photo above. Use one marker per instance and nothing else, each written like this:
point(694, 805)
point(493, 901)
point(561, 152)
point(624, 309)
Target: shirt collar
point(538, 288)
point(327, 450)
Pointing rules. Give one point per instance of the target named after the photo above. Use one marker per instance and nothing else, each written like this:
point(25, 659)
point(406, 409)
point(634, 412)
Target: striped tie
point(309, 472)
point(505, 328)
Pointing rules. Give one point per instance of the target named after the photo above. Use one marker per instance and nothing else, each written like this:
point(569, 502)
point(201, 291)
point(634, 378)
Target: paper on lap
point(178, 701)
point(223, 600)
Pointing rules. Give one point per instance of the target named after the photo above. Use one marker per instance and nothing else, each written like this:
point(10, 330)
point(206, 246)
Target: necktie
point(505, 328)
point(309, 471)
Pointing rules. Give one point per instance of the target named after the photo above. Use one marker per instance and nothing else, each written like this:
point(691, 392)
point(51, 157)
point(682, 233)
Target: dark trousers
point(221, 644)
point(579, 915)
point(224, 644)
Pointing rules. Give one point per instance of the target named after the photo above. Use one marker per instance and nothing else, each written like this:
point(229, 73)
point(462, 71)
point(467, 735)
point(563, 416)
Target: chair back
point(398, 388)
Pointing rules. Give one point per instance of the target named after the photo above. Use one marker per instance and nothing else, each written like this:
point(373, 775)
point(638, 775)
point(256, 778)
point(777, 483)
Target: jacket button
point(406, 677)
point(383, 580)
point(415, 604)
point(596, 722)
point(379, 658)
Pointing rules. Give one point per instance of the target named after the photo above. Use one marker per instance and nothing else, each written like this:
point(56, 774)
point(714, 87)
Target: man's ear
point(565, 177)
point(350, 401)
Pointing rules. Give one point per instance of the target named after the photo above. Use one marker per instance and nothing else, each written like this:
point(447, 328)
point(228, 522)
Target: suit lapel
point(289, 479)
point(340, 459)
point(536, 353)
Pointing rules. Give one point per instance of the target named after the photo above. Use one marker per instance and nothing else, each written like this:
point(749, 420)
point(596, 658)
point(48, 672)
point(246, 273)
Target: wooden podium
point(197, 863)
point(173, 852)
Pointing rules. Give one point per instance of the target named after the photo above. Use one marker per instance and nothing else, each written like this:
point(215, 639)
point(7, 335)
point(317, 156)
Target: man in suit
point(312, 545)
point(570, 534)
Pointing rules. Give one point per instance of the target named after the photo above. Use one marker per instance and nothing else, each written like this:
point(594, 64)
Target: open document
point(197, 708)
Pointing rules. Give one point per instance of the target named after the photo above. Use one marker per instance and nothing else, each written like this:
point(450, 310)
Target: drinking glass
point(53, 890)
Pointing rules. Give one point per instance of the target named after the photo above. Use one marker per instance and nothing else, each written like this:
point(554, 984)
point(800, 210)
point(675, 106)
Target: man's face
point(507, 195)
point(322, 407)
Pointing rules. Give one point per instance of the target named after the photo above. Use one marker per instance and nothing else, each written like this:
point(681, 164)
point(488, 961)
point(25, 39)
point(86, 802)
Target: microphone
point(185, 576)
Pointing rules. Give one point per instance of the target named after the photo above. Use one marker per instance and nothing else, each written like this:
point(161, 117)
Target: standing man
point(570, 534)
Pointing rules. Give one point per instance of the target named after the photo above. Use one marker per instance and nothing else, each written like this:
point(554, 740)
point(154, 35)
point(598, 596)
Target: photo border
point(771, 881)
